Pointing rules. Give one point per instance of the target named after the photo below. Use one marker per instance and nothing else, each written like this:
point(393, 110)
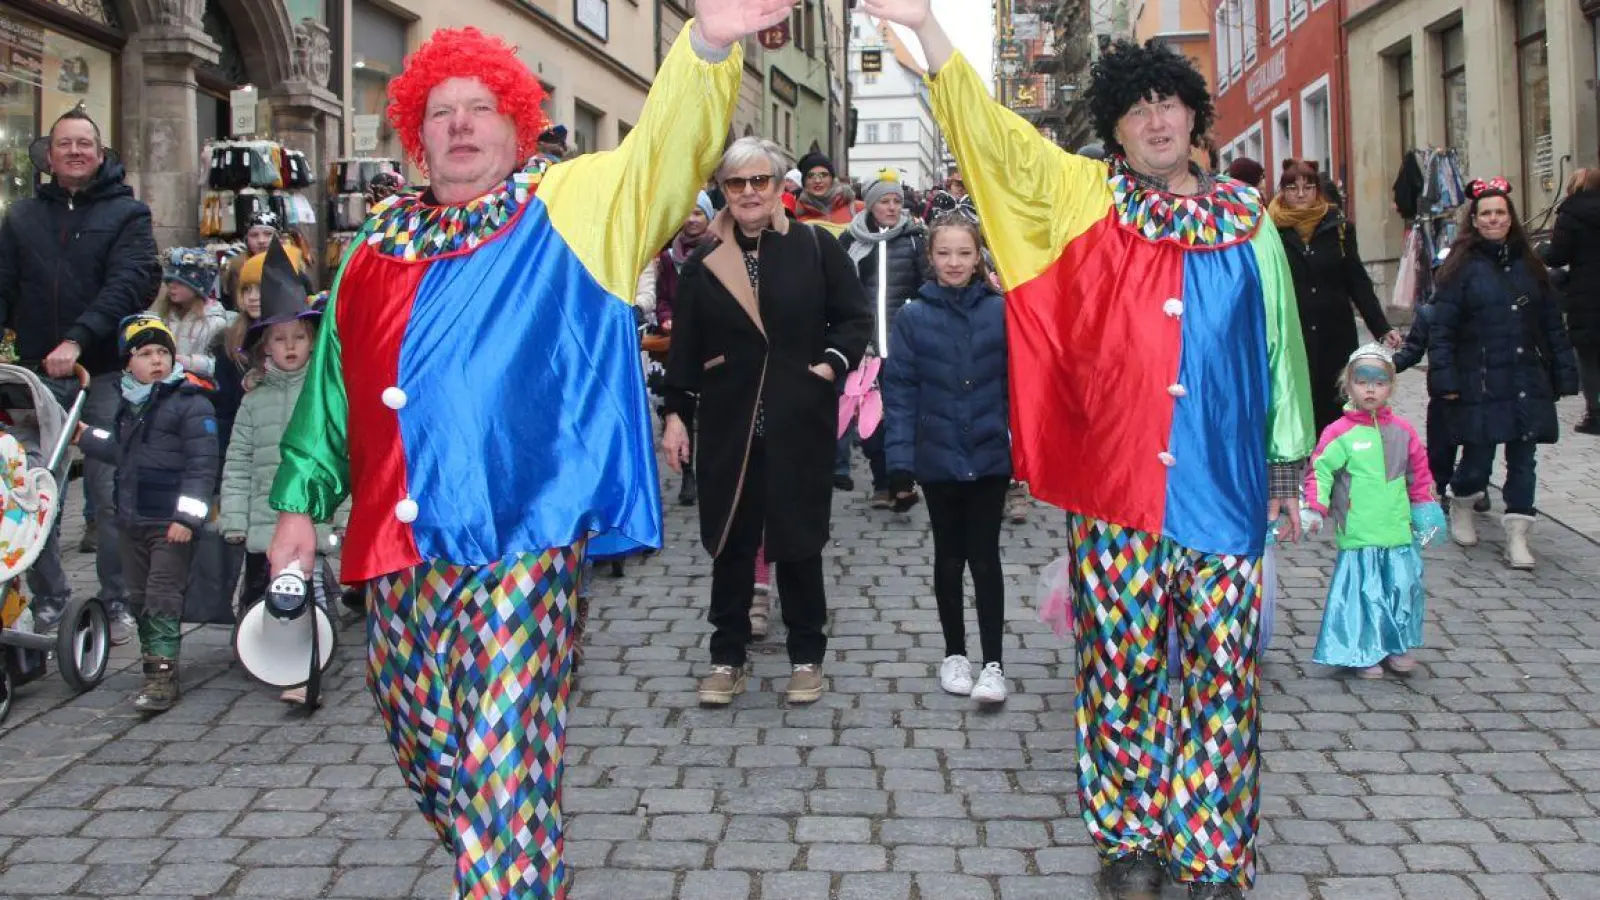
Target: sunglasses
point(819, 175)
point(737, 185)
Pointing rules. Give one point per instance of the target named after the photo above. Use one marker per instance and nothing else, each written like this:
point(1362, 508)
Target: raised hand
point(721, 22)
point(910, 13)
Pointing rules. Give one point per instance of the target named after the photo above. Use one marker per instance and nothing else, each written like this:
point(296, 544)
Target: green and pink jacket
point(1367, 471)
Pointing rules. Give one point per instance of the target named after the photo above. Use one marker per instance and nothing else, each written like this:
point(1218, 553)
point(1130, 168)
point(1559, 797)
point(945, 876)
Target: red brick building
point(1280, 90)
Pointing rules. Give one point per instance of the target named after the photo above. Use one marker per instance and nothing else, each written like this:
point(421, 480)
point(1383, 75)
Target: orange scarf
point(1304, 220)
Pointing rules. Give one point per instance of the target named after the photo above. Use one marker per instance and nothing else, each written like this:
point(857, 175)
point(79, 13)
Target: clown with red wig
point(477, 393)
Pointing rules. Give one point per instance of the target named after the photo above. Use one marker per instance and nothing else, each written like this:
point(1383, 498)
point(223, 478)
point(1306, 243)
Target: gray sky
point(971, 25)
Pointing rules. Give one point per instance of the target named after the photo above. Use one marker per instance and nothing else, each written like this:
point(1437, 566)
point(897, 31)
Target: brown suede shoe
point(805, 684)
point(722, 685)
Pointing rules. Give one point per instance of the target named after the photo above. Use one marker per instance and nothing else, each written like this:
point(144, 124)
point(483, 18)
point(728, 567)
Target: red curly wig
point(467, 53)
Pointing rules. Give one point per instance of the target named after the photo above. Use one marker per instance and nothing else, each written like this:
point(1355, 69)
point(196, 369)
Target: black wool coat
point(1328, 279)
point(733, 347)
point(1496, 339)
point(1576, 245)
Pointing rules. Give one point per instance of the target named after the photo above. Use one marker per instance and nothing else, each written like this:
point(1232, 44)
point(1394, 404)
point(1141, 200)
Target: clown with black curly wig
point(477, 389)
point(1160, 397)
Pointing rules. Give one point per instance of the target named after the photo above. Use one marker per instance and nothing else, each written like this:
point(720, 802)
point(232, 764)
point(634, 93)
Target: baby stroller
point(30, 501)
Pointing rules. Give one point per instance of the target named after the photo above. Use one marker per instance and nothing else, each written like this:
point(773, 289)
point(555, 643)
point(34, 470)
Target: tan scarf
point(1304, 220)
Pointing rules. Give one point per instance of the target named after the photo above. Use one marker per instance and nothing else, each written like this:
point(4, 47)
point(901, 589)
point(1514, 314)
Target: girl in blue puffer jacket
point(946, 426)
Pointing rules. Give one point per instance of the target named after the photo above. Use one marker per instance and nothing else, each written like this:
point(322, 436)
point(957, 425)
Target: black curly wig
point(1127, 73)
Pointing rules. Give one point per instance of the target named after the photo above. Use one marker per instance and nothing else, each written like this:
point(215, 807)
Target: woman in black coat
point(889, 249)
point(1499, 349)
point(1576, 245)
point(1328, 278)
point(768, 318)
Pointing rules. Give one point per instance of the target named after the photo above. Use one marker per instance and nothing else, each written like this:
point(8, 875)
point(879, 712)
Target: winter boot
point(90, 542)
point(689, 491)
point(760, 615)
point(1463, 520)
point(1517, 526)
point(1589, 425)
point(160, 691)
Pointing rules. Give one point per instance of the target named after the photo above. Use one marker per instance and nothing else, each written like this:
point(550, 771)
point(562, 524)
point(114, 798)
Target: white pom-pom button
point(394, 398)
point(1177, 390)
point(1167, 459)
point(406, 510)
point(1173, 308)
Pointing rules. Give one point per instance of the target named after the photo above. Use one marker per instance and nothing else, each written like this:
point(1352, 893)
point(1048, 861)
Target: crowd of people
point(1187, 381)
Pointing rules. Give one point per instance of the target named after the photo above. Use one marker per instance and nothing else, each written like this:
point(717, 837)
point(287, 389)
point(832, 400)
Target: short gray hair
point(747, 150)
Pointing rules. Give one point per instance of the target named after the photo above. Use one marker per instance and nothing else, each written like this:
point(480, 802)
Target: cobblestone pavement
point(1479, 778)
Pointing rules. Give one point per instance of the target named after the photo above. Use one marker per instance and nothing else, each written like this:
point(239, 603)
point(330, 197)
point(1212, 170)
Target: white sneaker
point(955, 675)
point(991, 686)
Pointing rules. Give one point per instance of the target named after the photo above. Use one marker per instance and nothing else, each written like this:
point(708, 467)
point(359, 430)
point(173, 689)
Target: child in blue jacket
point(946, 427)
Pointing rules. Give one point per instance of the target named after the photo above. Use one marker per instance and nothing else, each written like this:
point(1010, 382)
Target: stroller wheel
point(83, 643)
point(5, 692)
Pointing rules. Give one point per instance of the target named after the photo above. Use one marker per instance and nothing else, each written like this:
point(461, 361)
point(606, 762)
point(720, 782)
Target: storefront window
point(42, 75)
point(1533, 67)
point(1454, 55)
point(378, 47)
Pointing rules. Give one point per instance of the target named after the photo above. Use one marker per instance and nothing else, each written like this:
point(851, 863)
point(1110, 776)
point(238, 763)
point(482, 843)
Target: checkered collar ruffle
point(407, 228)
point(1225, 214)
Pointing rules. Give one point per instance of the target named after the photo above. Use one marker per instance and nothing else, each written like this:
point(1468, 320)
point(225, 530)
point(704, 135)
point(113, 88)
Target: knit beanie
point(1246, 170)
point(888, 182)
point(794, 176)
point(250, 272)
point(814, 159)
point(703, 203)
point(141, 330)
point(191, 267)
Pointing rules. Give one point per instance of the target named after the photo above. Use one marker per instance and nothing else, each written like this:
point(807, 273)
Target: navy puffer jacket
point(1496, 339)
point(945, 389)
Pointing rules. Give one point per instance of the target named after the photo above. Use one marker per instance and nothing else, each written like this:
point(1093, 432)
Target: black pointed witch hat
point(283, 294)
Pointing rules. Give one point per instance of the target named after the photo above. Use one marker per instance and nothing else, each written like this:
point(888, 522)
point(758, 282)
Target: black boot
point(1213, 891)
point(1482, 505)
point(1137, 876)
point(1589, 425)
point(689, 491)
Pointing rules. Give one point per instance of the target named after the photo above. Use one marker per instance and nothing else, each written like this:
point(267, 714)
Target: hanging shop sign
point(784, 88)
point(872, 60)
point(242, 111)
point(776, 37)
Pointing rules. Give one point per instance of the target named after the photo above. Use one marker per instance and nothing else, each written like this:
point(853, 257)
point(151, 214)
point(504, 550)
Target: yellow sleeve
point(1032, 196)
point(616, 209)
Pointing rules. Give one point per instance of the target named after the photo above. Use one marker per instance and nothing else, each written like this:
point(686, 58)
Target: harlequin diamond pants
point(1172, 776)
point(470, 666)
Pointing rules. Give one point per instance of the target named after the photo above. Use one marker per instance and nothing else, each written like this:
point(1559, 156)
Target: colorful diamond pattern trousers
point(1171, 775)
point(470, 666)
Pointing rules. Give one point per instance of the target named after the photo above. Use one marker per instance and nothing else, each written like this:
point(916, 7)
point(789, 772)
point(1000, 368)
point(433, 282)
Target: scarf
point(137, 392)
point(861, 228)
point(824, 204)
point(684, 246)
point(1304, 221)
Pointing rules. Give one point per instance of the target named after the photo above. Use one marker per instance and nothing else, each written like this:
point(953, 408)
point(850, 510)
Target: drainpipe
point(1346, 145)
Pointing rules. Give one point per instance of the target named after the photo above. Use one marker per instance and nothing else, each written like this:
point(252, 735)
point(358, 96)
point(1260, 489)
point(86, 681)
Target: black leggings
point(966, 517)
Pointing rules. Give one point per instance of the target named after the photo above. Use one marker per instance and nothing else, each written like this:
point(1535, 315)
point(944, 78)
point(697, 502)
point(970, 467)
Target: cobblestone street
point(1477, 778)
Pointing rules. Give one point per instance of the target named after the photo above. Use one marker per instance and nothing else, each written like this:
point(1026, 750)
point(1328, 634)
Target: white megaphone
point(279, 635)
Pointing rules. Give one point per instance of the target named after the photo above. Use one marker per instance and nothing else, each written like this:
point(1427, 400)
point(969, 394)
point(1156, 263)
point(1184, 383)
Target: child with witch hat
point(281, 340)
point(164, 445)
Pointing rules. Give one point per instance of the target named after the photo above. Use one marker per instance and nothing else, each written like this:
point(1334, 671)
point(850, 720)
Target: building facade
point(1279, 84)
point(1510, 85)
point(894, 116)
point(1043, 49)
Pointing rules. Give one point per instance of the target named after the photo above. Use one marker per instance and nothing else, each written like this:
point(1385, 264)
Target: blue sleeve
point(1443, 333)
point(899, 386)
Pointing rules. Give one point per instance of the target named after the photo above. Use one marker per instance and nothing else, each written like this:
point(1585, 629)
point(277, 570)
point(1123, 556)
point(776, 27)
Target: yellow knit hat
point(250, 273)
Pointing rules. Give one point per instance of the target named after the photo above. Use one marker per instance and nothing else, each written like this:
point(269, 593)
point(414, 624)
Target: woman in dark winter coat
point(1328, 278)
point(945, 401)
point(767, 319)
point(1498, 348)
point(890, 251)
point(1576, 245)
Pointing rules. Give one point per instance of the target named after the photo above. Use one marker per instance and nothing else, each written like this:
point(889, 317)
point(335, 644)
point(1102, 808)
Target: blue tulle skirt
point(1374, 607)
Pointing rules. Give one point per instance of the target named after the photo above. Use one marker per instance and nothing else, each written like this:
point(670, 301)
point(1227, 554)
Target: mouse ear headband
point(1488, 187)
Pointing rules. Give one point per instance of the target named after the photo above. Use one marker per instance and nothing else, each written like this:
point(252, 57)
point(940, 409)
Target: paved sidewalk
point(1479, 778)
